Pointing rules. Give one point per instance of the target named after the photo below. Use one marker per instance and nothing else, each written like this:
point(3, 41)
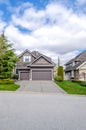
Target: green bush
point(61, 72)
point(77, 81)
point(5, 75)
point(15, 76)
point(6, 81)
point(58, 78)
point(83, 84)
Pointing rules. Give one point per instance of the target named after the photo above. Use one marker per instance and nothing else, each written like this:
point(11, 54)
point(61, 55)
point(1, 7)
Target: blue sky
point(53, 27)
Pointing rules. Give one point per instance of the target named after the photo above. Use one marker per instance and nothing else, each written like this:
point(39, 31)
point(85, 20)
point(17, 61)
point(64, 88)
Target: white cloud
point(30, 18)
point(21, 41)
point(81, 2)
point(55, 30)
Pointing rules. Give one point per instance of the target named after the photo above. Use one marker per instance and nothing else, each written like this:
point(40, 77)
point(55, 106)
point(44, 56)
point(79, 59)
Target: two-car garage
point(41, 74)
point(36, 74)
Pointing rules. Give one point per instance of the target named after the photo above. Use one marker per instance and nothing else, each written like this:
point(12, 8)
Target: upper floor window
point(73, 63)
point(27, 58)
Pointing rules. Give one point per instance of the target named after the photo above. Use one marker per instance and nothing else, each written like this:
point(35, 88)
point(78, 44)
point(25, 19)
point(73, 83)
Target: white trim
point(19, 75)
point(72, 73)
point(31, 74)
point(81, 65)
point(27, 57)
point(52, 75)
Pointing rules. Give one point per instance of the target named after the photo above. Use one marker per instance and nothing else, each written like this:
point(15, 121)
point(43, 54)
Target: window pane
point(27, 58)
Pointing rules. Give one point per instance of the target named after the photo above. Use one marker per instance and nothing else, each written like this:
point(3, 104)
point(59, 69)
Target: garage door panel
point(24, 75)
point(41, 75)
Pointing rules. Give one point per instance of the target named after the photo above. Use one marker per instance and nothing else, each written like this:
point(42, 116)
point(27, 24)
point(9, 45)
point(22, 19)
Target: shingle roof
point(47, 58)
point(25, 52)
point(70, 61)
point(77, 65)
point(69, 68)
point(74, 67)
point(36, 53)
point(81, 58)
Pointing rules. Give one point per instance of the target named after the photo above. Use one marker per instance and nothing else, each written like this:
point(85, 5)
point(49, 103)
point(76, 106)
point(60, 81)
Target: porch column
point(31, 75)
point(72, 73)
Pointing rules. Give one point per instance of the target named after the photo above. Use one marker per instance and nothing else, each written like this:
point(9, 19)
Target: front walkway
point(39, 86)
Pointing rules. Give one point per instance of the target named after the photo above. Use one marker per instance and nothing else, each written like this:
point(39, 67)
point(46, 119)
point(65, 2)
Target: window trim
point(27, 57)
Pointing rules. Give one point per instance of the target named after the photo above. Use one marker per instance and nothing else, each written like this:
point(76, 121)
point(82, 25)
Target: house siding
point(21, 63)
point(41, 61)
point(82, 72)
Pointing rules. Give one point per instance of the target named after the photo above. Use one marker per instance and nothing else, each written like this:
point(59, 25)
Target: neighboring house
point(34, 66)
point(76, 67)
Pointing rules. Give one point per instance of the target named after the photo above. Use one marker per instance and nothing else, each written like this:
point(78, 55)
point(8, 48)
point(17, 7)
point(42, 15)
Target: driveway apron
point(39, 86)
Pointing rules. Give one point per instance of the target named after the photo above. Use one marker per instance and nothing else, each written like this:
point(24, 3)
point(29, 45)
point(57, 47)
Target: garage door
point(41, 75)
point(24, 75)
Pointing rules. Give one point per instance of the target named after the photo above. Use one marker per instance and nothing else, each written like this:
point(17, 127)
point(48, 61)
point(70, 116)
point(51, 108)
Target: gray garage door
point(41, 75)
point(24, 75)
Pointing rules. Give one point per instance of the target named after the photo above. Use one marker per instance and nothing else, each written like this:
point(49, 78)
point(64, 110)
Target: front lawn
point(72, 88)
point(9, 87)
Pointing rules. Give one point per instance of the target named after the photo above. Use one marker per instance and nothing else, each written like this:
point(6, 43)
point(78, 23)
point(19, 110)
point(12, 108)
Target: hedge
point(58, 78)
point(6, 81)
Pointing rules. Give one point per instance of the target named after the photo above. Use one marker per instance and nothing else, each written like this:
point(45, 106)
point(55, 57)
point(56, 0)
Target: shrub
point(15, 76)
point(77, 81)
point(83, 84)
point(61, 72)
point(58, 78)
point(6, 81)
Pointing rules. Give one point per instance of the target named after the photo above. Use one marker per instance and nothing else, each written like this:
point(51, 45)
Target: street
point(37, 111)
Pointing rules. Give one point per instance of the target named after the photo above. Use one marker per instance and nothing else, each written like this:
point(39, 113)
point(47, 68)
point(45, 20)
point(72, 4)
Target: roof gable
point(42, 60)
point(82, 65)
point(26, 51)
point(36, 53)
point(80, 57)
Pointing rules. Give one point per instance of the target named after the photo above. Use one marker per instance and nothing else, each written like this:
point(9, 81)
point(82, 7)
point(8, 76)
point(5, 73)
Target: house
point(76, 67)
point(34, 66)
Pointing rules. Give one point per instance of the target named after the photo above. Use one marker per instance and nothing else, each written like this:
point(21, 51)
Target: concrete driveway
point(39, 86)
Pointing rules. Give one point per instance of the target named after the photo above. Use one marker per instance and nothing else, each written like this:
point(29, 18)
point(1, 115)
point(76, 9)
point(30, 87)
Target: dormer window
point(26, 58)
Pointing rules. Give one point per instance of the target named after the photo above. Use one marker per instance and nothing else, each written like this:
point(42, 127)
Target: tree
point(61, 72)
point(7, 58)
point(58, 61)
point(2, 50)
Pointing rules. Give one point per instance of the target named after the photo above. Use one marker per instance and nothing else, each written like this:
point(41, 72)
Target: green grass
point(9, 87)
point(72, 88)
